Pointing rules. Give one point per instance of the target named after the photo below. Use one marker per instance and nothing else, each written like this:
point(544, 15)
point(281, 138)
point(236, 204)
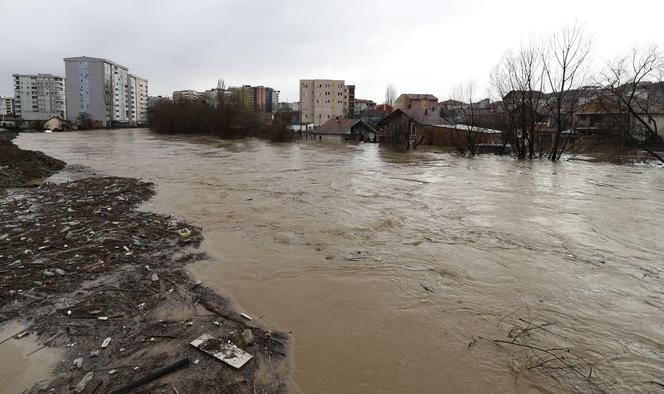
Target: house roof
point(431, 118)
point(339, 126)
point(414, 96)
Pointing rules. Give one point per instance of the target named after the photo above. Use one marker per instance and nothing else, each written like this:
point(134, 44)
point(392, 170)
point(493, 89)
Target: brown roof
point(420, 96)
point(339, 126)
point(431, 118)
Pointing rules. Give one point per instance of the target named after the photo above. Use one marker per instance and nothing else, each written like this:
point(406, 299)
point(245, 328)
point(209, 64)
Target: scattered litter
point(216, 323)
point(184, 232)
point(247, 337)
point(246, 316)
point(94, 352)
point(59, 271)
point(185, 362)
point(226, 352)
point(48, 273)
point(112, 371)
point(22, 334)
point(197, 361)
point(78, 363)
point(106, 342)
point(104, 318)
point(84, 382)
point(155, 277)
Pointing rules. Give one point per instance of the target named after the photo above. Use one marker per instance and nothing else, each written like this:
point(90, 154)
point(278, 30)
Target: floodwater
point(384, 266)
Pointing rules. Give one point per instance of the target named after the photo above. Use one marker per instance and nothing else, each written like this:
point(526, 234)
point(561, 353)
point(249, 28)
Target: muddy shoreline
point(80, 264)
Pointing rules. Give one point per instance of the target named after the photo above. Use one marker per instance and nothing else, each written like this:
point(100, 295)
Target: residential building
point(325, 99)
point(345, 130)
point(183, 96)
point(155, 100)
point(422, 103)
point(6, 106)
point(362, 106)
point(137, 93)
point(409, 128)
point(39, 96)
point(105, 91)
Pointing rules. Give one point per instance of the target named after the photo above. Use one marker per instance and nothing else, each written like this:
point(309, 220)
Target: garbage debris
point(106, 342)
point(247, 337)
point(185, 362)
point(184, 232)
point(246, 316)
point(84, 382)
point(224, 351)
point(22, 334)
point(103, 293)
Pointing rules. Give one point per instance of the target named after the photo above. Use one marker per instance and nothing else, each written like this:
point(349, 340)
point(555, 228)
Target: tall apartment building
point(137, 93)
point(40, 96)
point(324, 99)
point(102, 89)
point(6, 106)
point(182, 96)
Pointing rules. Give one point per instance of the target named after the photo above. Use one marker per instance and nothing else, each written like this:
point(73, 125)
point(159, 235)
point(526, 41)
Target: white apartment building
point(137, 93)
point(39, 96)
point(103, 89)
point(6, 105)
point(325, 99)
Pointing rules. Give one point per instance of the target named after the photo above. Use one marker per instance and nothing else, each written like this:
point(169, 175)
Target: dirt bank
point(80, 264)
point(20, 167)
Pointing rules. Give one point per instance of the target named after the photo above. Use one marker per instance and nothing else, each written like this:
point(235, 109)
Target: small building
point(417, 102)
point(409, 128)
point(345, 130)
point(56, 123)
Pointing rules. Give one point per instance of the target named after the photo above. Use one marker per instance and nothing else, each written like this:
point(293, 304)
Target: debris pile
point(93, 275)
point(18, 167)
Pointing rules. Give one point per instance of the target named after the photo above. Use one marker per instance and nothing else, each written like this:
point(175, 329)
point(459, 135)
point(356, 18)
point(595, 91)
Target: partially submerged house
point(56, 123)
point(409, 128)
point(345, 130)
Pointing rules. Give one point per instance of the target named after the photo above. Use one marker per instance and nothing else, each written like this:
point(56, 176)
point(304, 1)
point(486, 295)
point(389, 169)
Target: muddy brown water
point(383, 265)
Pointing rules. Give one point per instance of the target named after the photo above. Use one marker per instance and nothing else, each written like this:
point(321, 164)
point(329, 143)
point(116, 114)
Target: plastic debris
point(184, 232)
point(226, 352)
point(106, 342)
point(104, 318)
point(78, 363)
point(59, 271)
point(247, 337)
point(22, 334)
point(246, 316)
point(112, 371)
point(84, 382)
point(94, 352)
point(155, 277)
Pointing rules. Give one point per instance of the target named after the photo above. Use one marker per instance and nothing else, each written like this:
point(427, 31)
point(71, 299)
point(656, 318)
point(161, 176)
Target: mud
point(79, 264)
point(22, 168)
point(389, 268)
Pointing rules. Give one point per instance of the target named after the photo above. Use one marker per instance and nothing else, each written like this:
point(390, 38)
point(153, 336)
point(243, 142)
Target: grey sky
point(421, 46)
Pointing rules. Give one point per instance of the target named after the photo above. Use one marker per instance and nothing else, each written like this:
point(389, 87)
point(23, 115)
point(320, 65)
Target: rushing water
point(383, 266)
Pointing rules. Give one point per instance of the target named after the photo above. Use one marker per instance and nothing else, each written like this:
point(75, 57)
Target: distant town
point(98, 93)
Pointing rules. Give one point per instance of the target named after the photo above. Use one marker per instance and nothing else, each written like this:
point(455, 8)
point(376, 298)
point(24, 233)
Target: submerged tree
point(564, 58)
point(636, 84)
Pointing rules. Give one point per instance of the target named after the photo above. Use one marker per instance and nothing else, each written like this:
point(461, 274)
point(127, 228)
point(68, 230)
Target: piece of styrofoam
point(227, 352)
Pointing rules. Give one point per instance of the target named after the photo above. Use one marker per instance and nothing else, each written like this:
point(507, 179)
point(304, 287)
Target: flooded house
point(345, 130)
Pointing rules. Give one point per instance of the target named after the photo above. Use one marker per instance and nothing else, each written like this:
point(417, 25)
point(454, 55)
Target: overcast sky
point(420, 46)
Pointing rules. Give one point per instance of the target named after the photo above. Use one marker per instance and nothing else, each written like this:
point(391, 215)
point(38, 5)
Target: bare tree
point(636, 83)
point(390, 94)
point(465, 114)
point(563, 60)
point(518, 80)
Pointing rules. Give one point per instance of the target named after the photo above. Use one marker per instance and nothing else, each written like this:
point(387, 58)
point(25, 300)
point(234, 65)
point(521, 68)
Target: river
point(389, 268)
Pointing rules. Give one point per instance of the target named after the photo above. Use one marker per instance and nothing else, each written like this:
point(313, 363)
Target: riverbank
point(18, 167)
point(81, 265)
